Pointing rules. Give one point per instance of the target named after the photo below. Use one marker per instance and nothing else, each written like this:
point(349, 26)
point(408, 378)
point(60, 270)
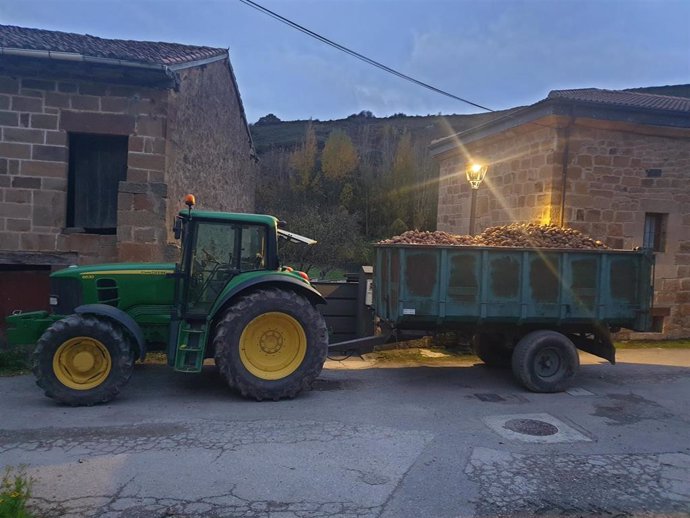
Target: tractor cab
point(223, 254)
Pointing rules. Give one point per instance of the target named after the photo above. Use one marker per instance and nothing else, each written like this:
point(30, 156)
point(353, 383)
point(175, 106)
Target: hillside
point(289, 134)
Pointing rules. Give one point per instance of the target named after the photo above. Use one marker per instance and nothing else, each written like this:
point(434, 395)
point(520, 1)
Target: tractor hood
point(117, 269)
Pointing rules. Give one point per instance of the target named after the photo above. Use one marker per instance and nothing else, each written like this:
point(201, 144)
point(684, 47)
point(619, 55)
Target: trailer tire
point(492, 349)
point(83, 360)
point(270, 344)
point(545, 361)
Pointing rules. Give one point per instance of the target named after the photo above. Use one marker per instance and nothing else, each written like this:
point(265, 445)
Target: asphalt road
point(454, 439)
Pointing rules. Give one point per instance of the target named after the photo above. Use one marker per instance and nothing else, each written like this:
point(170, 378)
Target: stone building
point(613, 164)
point(99, 141)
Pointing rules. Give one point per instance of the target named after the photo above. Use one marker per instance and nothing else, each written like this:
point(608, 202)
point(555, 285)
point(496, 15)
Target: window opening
point(655, 231)
point(97, 163)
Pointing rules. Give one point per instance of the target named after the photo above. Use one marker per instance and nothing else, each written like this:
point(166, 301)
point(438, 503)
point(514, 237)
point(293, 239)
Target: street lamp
point(475, 175)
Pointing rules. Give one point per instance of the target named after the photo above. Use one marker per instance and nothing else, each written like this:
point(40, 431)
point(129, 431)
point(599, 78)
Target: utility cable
point(357, 55)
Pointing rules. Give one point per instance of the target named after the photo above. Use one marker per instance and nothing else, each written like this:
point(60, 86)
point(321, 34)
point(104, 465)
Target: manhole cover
point(530, 427)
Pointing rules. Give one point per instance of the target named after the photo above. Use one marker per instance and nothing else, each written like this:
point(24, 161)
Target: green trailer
point(529, 309)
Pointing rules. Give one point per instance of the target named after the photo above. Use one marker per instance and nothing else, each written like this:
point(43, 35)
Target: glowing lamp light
point(475, 174)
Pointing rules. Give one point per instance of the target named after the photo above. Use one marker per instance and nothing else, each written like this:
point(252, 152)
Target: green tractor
point(228, 299)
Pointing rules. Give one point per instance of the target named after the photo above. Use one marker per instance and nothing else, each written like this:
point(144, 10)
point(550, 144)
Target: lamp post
point(475, 175)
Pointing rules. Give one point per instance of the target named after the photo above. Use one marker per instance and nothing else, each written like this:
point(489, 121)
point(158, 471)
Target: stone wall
point(209, 147)
point(615, 176)
point(609, 188)
point(36, 115)
point(518, 185)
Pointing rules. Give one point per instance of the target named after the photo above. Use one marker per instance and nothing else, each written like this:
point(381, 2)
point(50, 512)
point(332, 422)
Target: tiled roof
point(151, 52)
point(624, 99)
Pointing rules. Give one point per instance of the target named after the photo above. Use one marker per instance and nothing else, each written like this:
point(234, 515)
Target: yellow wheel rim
point(82, 363)
point(273, 346)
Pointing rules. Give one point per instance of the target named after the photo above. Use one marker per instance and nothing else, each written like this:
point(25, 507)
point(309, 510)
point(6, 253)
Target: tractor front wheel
point(271, 344)
point(83, 360)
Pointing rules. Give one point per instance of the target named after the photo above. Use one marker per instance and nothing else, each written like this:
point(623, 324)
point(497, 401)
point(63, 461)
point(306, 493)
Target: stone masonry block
point(18, 225)
point(84, 102)
point(9, 118)
point(4, 102)
point(26, 182)
point(41, 168)
point(55, 184)
point(145, 235)
point(114, 104)
point(151, 127)
point(105, 123)
point(15, 210)
point(10, 240)
point(145, 161)
point(57, 100)
point(125, 201)
point(137, 175)
point(56, 138)
point(132, 187)
point(136, 144)
point(27, 104)
point(160, 189)
point(31, 136)
point(18, 196)
point(15, 150)
point(50, 153)
point(43, 121)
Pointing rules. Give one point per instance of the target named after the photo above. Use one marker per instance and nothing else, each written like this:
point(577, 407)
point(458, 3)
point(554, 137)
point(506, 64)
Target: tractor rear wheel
point(83, 360)
point(271, 344)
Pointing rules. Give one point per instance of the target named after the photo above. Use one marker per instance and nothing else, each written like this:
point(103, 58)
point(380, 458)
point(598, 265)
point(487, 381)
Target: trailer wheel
point(271, 344)
point(83, 360)
point(492, 349)
point(545, 361)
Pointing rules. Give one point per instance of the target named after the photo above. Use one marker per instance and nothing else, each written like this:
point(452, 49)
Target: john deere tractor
point(228, 299)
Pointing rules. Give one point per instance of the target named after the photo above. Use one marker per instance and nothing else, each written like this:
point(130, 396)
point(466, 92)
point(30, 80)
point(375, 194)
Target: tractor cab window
point(219, 252)
point(253, 252)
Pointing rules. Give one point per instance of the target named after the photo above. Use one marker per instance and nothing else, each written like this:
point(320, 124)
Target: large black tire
point(234, 354)
point(492, 349)
point(66, 349)
point(545, 361)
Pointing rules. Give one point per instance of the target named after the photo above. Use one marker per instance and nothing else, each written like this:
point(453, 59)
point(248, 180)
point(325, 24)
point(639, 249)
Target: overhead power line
point(357, 55)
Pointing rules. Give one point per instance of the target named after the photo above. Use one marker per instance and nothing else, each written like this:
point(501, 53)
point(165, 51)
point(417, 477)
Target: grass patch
point(15, 361)
point(653, 344)
point(15, 491)
point(156, 358)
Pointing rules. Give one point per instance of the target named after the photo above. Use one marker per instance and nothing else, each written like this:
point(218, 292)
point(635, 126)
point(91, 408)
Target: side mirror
point(177, 228)
point(282, 224)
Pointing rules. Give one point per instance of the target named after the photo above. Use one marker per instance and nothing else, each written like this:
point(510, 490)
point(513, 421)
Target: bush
point(15, 361)
point(15, 491)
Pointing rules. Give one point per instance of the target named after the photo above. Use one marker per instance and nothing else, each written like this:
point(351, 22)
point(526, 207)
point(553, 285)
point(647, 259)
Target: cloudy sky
point(497, 53)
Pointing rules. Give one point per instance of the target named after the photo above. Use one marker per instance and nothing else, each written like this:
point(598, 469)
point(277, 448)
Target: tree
point(268, 119)
point(403, 179)
point(339, 158)
point(337, 232)
point(303, 161)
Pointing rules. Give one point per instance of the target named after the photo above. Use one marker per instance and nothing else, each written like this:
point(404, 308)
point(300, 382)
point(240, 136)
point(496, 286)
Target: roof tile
point(624, 98)
point(159, 53)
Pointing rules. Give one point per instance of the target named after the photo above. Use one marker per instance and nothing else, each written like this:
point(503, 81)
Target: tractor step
point(191, 345)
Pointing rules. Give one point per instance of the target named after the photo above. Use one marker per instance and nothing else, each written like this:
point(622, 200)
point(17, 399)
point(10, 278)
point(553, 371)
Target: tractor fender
point(270, 281)
point(121, 318)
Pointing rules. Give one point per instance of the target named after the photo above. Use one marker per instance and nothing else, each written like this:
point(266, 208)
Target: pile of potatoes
point(518, 235)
